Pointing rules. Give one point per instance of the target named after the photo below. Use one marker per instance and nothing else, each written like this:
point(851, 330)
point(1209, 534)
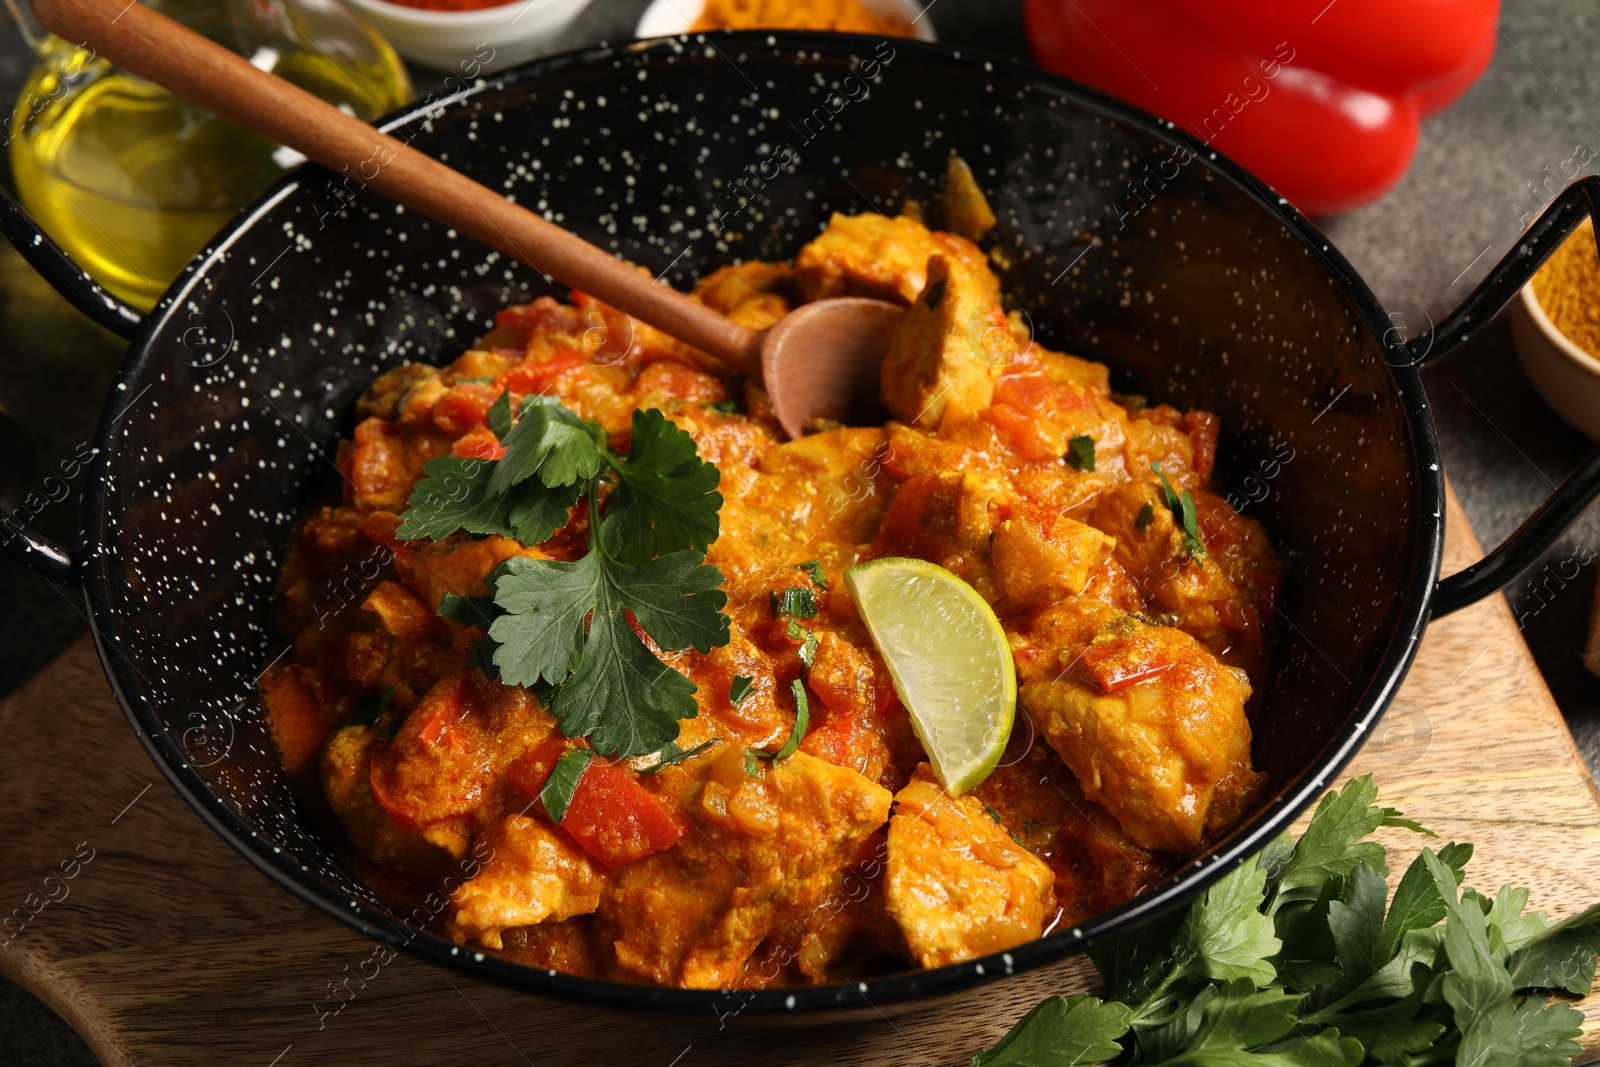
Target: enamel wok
point(1122, 239)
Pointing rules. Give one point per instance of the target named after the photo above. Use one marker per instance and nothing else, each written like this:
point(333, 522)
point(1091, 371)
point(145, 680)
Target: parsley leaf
point(1183, 510)
point(802, 720)
point(1080, 452)
point(1417, 903)
point(795, 601)
point(563, 781)
point(1226, 932)
point(564, 623)
point(1146, 516)
point(1478, 982)
point(1356, 921)
point(1138, 961)
point(499, 415)
point(666, 499)
point(1532, 1035)
point(1562, 957)
point(551, 442)
point(1061, 1033)
point(807, 639)
point(670, 753)
point(1332, 845)
point(456, 494)
point(741, 689)
point(813, 568)
point(1240, 1020)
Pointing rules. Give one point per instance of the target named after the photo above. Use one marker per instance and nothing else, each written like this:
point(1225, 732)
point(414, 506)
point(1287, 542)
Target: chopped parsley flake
point(1080, 453)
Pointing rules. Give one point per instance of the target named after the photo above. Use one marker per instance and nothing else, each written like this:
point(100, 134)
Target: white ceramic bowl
point(471, 43)
point(1567, 377)
point(664, 18)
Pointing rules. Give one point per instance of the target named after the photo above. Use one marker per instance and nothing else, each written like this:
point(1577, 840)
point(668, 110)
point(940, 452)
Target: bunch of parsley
point(1292, 960)
point(566, 629)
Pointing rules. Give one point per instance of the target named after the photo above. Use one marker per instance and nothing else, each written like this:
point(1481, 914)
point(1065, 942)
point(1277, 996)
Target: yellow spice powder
point(1568, 289)
point(840, 16)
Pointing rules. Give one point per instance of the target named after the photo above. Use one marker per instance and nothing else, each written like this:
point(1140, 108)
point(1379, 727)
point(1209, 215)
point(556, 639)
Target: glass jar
point(132, 180)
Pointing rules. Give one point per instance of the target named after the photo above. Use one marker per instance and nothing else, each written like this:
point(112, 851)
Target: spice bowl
point(1564, 375)
point(666, 18)
point(473, 42)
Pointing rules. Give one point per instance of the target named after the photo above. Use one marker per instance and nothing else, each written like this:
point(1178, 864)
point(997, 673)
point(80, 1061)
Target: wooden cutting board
point(164, 946)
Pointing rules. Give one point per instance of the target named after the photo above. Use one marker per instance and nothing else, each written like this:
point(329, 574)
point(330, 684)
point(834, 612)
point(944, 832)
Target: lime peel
point(949, 659)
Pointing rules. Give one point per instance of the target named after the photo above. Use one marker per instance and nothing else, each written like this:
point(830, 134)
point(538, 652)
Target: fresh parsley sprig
point(569, 629)
point(1293, 960)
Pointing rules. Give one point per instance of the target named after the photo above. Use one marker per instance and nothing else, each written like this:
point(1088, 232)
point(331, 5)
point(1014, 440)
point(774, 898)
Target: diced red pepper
point(671, 378)
point(409, 769)
point(1114, 665)
point(614, 818)
point(1030, 392)
point(842, 739)
point(543, 316)
point(534, 376)
point(465, 407)
point(1027, 434)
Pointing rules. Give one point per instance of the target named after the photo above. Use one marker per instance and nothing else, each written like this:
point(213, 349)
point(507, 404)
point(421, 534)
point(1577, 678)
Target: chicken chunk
point(766, 851)
point(1029, 563)
point(957, 883)
point(345, 773)
point(443, 772)
point(1154, 727)
point(947, 351)
point(1199, 592)
point(532, 873)
point(876, 256)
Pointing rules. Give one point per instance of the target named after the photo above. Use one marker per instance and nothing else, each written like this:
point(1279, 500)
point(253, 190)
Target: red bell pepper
point(614, 818)
point(1321, 99)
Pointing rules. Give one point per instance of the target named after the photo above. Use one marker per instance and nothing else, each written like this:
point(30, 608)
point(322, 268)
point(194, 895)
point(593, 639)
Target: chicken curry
point(1134, 598)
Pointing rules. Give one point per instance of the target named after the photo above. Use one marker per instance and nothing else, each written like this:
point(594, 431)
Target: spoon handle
point(159, 49)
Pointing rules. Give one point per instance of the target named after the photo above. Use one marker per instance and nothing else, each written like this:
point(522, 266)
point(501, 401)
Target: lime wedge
point(949, 660)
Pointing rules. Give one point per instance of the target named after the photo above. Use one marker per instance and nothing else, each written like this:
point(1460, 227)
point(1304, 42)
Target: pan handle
point(1562, 508)
point(45, 256)
point(1526, 544)
point(1516, 268)
point(65, 276)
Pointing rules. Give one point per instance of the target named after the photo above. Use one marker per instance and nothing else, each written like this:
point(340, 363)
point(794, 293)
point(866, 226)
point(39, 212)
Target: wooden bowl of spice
point(1555, 326)
point(882, 18)
point(470, 37)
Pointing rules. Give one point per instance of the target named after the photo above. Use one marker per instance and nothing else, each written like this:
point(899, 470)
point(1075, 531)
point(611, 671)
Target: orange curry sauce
point(1135, 657)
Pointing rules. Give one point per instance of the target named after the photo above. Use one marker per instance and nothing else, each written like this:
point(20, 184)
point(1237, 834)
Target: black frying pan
point(1214, 293)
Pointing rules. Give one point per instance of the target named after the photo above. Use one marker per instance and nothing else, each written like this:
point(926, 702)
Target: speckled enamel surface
point(1182, 277)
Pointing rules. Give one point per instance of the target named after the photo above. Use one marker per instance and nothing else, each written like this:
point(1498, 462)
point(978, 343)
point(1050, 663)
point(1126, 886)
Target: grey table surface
point(1480, 166)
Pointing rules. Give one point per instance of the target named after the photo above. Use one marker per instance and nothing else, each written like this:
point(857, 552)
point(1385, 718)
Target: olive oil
point(132, 180)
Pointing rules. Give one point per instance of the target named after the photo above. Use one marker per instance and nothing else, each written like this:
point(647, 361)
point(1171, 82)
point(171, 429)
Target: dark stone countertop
point(1479, 168)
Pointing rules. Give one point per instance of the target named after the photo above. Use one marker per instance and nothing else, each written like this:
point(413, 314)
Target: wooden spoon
point(820, 361)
